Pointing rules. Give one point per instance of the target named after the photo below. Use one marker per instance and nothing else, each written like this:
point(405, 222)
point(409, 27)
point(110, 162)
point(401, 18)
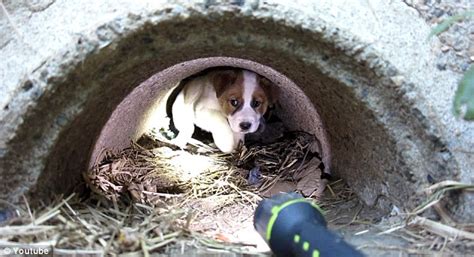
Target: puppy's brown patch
point(229, 87)
point(222, 79)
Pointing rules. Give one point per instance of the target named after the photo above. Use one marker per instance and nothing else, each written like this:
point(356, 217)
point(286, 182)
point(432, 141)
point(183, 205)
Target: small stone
point(470, 29)
point(445, 48)
point(61, 120)
point(442, 61)
point(27, 85)
point(460, 44)
point(438, 12)
point(441, 66)
point(6, 215)
point(470, 51)
point(398, 80)
point(423, 7)
point(465, 66)
point(447, 39)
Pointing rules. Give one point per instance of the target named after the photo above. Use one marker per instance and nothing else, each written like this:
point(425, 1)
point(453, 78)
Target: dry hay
point(92, 227)
point(156, 204)
point(429, 236)
point(222, 189)
point(147, 174)
point(291, 164)
point(154, 168)
point(416, 232)
point(171, 223)
point(149, 200)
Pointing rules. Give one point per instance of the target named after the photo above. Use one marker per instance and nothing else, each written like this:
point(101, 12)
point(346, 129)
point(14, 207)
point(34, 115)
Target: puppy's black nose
point(245, 125)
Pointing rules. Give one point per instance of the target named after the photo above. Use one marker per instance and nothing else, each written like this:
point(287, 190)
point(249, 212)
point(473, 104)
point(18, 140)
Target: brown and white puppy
point(229, 103)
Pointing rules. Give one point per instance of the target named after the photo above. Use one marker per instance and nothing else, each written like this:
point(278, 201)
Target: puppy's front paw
point(226, 148)
point(180, 142)
point(226, 145)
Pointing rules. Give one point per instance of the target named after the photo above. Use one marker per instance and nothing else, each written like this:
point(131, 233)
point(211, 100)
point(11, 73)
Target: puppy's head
point(244, 96)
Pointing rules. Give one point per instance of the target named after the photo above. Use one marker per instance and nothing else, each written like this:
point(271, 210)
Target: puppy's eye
point(234, 102)
point(255, 103)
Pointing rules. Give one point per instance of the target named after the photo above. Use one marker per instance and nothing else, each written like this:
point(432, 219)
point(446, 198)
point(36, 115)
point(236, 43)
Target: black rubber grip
point(315, 240)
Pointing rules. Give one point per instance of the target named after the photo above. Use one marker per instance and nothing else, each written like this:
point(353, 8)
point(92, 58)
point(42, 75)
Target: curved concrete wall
point(364, 65)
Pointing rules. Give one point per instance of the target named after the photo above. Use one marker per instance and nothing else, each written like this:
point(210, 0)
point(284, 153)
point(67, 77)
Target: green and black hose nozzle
point(295, 227)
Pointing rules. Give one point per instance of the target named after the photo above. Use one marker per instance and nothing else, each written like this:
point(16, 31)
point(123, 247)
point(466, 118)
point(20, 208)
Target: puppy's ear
point(221, 79)
point(271, 90)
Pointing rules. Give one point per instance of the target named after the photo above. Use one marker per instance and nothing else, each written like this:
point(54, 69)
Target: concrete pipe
point(356, 73)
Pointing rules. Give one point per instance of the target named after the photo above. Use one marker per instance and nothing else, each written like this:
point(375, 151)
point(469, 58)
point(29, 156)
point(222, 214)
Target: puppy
point(227, 102)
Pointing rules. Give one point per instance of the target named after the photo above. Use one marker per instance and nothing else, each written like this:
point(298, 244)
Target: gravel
point(456, 52)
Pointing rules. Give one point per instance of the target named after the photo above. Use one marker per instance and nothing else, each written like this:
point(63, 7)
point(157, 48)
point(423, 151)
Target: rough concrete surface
point(366, 66)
